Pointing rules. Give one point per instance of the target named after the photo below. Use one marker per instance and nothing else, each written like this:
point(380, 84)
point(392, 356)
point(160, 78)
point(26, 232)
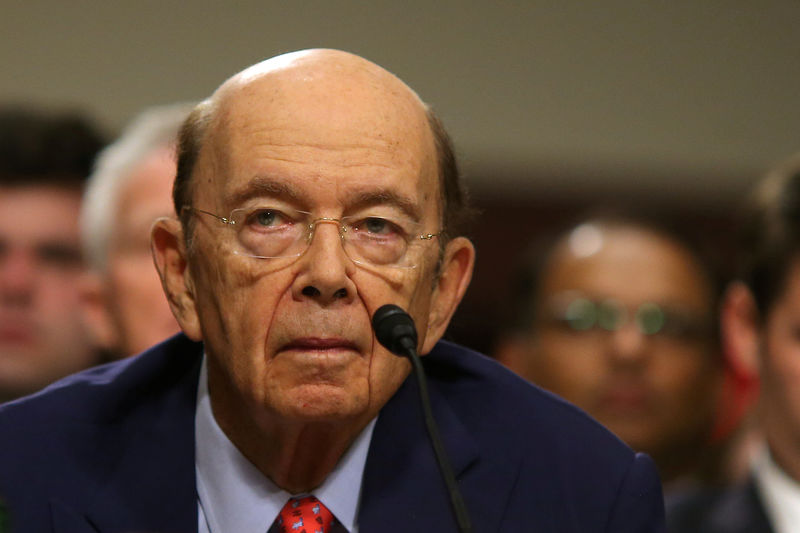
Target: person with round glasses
point(617, 315)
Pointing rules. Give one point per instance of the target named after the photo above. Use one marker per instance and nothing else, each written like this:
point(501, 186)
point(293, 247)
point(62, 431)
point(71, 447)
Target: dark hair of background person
point(456, 210)
point(770, 234)
point(524, 286)
point(46, 148)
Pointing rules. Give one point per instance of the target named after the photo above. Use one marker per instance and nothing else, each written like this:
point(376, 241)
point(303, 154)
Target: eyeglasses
point(269, 233)
point(582, 314)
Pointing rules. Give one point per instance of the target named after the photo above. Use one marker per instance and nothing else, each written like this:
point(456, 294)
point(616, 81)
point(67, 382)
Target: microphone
point(395, 330)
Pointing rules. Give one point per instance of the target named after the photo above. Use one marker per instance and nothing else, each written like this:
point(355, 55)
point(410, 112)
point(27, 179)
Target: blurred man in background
point(761, 327)
point(44, 161)
point(130, 188)
point(618, 317)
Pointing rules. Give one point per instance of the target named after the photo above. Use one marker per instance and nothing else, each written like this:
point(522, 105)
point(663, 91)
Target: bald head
point(321, 97)
point(333, 73)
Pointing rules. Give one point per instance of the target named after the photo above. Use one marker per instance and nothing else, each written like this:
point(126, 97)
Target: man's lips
point(316, 344)
point(633, 399)
point(317, 354)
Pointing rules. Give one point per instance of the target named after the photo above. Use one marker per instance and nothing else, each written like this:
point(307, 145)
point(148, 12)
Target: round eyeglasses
point(582, 314)
point(270, 233)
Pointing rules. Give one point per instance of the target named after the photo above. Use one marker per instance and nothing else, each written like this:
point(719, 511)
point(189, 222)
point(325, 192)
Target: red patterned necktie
point(305, 515)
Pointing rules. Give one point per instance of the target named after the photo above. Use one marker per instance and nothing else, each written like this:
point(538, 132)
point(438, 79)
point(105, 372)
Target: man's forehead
point(627, 262)
point(40, 211)
point(322, 108)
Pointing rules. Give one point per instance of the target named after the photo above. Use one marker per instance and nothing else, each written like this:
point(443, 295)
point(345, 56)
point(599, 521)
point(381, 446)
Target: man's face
point(42, 338)
point(655, 391)
point(780, 370)
point(138, 309)
point(291, 338)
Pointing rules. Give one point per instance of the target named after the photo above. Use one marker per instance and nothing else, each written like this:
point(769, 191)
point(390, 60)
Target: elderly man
point(129, 189)
point(312, 189)
point(44, 161)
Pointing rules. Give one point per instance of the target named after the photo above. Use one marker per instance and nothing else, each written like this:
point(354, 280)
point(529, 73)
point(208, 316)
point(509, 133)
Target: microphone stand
point(460, 509)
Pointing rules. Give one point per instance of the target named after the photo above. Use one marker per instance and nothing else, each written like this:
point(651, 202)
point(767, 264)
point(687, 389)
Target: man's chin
point(325, 403)
point(15, 386)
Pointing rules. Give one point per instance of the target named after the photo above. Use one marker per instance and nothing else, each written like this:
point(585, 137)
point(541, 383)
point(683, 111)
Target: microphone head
point(395, 329)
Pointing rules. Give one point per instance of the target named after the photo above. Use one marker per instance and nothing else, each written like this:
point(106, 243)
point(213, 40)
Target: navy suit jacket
point(112, 450)
point(733, 510)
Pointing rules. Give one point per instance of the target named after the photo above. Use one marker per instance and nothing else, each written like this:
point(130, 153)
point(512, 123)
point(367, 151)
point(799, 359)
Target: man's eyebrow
point(363, 199)
point(264, 186)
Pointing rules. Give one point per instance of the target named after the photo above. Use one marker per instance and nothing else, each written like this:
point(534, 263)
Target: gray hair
point(151, 130)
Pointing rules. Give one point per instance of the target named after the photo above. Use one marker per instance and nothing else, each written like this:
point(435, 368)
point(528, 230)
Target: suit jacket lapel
point(403, 489)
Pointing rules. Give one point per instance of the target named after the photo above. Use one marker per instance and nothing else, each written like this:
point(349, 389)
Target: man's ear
point(169, 256)
point(454, 277)
point(94, 307)
point(740, 330)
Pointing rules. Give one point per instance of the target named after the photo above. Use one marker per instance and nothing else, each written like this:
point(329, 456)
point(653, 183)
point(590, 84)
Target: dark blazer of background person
point(737, 510)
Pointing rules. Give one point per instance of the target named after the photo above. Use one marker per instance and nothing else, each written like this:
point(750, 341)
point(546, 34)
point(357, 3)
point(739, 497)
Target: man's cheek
point(248, 314)
point(387, 371)
point(396, 286)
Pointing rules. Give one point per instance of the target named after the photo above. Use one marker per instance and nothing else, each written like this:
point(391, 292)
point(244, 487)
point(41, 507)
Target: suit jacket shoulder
point(108, 449)
point(525, 459)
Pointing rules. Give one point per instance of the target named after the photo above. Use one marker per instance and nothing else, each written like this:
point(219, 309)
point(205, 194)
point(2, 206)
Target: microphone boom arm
point(395, 330)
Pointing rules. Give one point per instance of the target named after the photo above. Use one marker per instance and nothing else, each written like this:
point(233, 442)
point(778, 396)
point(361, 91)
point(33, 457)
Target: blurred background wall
point(554, 106)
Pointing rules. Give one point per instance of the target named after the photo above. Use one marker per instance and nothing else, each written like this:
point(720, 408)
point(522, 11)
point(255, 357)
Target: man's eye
point(266, 218)
point(65, 256)
point(379, 227)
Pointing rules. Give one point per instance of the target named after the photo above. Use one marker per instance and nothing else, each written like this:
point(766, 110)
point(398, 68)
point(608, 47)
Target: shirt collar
point(233, 495)
point(780, 493)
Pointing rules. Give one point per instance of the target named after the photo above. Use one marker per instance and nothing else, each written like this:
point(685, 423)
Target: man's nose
point(627, 345)
point(326, 269)
point(17, 276)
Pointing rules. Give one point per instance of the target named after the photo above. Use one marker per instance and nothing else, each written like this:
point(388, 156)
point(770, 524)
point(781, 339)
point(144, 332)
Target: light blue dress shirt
point(233, 495)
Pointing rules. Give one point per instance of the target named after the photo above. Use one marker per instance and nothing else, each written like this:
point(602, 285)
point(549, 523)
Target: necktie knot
point(305, 515)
